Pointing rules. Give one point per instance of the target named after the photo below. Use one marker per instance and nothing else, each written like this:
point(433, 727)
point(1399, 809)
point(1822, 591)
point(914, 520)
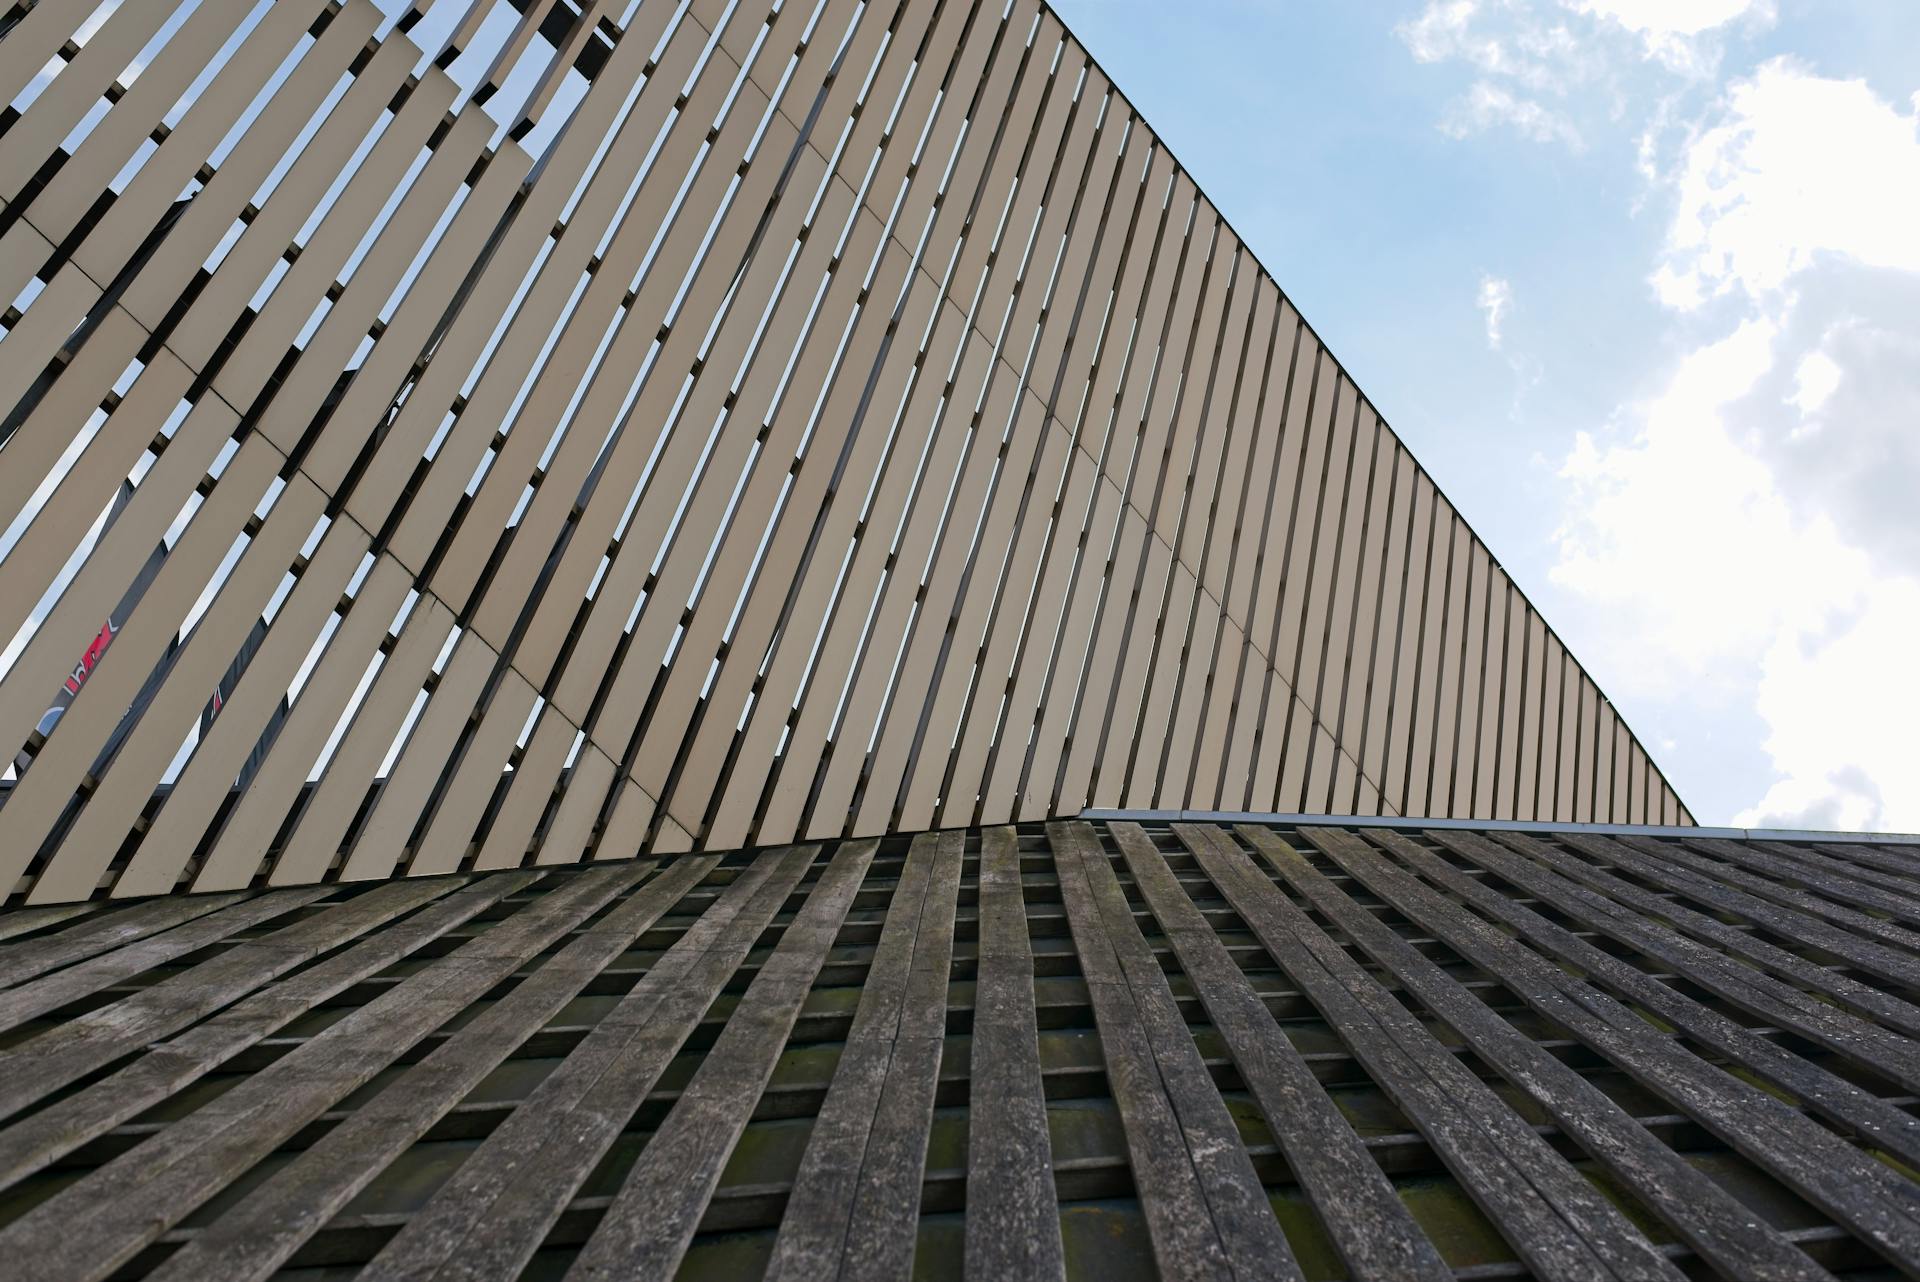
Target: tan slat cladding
point(486, 434)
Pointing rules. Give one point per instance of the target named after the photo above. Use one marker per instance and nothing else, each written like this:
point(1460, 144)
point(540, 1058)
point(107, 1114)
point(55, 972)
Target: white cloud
point(1798, 167)
point(1743, 538)
point(1840, 711)
point(1681, 535)
point(1524, 60)
point(1669, 17)
point(1676, 33)
point(1487, 105)
point(1495, 301)
point(1815, 381)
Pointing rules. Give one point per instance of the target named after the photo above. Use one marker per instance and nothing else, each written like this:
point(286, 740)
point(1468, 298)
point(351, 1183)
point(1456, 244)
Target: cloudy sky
point(1639, 282)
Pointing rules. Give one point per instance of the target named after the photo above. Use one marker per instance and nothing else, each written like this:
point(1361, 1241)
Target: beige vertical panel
point(104, 577)
point(541, 310)
point(1124, 698)
point(999, 655)
point(571, 831)
point(269, 234)
point(36, 801)
point(32, 564)
point(1605, 725)
point(267, 139)
point(1458, 707)
point(243, 842)
point(1055, 646)
point(1346, 575)
point(382, 841)
point(118, 136)
point(1200, 516)
point(1290, 549)
point(336, 799)
point(80, 84)
point(1189, 670)
point(1465, 752)
point(1350, 663)
point(1637, 781)
point(1296, 752)
point(1044, 768)
point(853, 420)
point(36, 39)
point(1403, 691)
point(1321, 485)
point(1102, 676)
point(1585, 771)
point(1372, 686)
point(166, 173)
point(507, 839)
point(473, 777)
point(1530, 699)
point(1493, 661)
point(24, 252)
point(1572, 726)
point(217, 759)
point(914, 677)
point(939, 774)
point(325, 253)
point(1148, 729)
point(81, 856)
point(928, 411)
point(1546, 744)
point(1222, 689)
point(935, 668)
point(78, 388)
point(1255, 588)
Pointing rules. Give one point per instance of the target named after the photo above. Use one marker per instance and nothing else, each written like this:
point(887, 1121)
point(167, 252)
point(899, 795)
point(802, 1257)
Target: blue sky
point(1639, 282)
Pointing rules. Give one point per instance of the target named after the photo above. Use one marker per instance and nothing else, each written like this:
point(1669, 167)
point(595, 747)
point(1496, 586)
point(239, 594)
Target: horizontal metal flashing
point(1502, 825)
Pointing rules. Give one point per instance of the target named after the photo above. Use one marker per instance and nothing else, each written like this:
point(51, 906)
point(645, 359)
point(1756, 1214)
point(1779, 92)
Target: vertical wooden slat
point(853, 420)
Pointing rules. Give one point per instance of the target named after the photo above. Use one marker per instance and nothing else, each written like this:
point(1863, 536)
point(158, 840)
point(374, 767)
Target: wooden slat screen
point(568, 429)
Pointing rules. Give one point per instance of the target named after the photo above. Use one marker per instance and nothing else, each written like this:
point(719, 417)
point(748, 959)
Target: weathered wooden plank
point(1735, 864)
point(1890, 964)
point(53, 1130)
point(1725, 1232)
point(50, 992)
point(1554, 1219)
point(1825, 1093)
point(1794, 880)
point(94, 1226)
point(653, 1217)
point(492, 1214)
point(1206, 1210)
point(1012, 1228)
point(256, 1236)
point(42, 1065)
point(1365, 1218)
point(1744, 987)
point(1862, 999)
point(855, 1201)
point(22, 961)
point(1873, 1199)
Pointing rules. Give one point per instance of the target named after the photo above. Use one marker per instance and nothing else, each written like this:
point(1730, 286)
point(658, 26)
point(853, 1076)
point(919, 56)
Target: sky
point(1638, 281)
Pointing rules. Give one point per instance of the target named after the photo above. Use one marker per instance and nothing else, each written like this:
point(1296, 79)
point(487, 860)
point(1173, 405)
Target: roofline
point(1046, 7)
point(1502, 825)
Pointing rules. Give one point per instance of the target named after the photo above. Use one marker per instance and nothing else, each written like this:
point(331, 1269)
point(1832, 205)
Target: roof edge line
point(1502, 825)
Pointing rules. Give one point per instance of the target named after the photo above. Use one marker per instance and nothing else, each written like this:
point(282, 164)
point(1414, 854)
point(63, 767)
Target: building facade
point(718, 640)
point(488, 434)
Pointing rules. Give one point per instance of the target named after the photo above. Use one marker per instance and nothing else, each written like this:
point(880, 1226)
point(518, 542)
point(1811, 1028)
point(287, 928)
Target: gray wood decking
point(1085, 1049)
